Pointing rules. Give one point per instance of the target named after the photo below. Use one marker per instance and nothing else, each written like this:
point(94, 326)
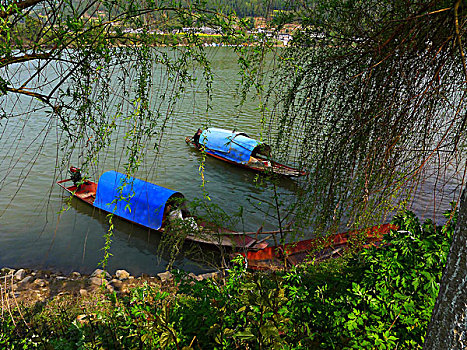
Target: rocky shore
point(28, 286)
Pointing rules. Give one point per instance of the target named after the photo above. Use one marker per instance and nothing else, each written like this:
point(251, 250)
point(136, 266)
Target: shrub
point(377, 298)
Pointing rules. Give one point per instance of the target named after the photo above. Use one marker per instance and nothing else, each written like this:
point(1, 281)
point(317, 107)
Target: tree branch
point(21, 5)
point(26, 57)
point(43, 98)
point(459, 41)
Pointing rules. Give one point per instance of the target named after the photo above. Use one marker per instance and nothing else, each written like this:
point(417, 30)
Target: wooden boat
point(239, 149)
point(149, 205)
point(317, 249)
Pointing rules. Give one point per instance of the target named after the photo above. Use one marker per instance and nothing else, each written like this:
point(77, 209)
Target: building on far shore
point(202, 30)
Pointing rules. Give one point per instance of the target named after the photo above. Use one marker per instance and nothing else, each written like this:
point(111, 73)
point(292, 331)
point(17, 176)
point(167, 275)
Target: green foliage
point(138, 320)
point(391, 301)
point(360, 84)
point(379, 298)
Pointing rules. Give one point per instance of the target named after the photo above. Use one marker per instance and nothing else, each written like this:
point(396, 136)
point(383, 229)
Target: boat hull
point(316, 249)
point(208, 234)
point(275, 167)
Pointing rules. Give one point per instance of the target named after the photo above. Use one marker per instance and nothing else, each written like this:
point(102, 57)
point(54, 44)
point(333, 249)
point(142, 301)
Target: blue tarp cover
point(234, 146)
point(133, 199)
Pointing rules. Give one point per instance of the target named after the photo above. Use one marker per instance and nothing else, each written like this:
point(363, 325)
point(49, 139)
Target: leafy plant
point(381, 297)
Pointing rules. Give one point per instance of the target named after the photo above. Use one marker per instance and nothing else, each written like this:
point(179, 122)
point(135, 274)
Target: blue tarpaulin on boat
point(136, 200)
point(234, 146)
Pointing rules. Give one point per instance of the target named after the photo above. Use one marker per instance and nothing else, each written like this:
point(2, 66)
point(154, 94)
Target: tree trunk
point(448, 326)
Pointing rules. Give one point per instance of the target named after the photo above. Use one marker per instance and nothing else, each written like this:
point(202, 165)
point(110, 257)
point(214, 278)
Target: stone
point(98, 281)
point(117, 284)
point(75, 275)
point(60, 278)
point(20, 274)
point(110, 288)
point(195, 277)
point(98, 273)
point(26, 279)
point(208, 275)
point(83, 292)
point(122, 275)
point(165, 276)
point(42, 274)
point(40, 282)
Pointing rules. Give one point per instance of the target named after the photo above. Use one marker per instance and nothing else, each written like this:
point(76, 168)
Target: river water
point(35, 233)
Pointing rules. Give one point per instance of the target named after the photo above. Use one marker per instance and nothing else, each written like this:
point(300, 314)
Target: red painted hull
point(86, 192)
point(319, 249)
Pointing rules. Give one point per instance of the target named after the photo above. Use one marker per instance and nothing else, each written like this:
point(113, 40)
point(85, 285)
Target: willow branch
point(459, 41)
point(18, 59)
point(43, 98)
point(461, 51)
point(21, 5)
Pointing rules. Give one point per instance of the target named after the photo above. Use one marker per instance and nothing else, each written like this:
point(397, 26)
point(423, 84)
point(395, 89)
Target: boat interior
point(85, 191)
